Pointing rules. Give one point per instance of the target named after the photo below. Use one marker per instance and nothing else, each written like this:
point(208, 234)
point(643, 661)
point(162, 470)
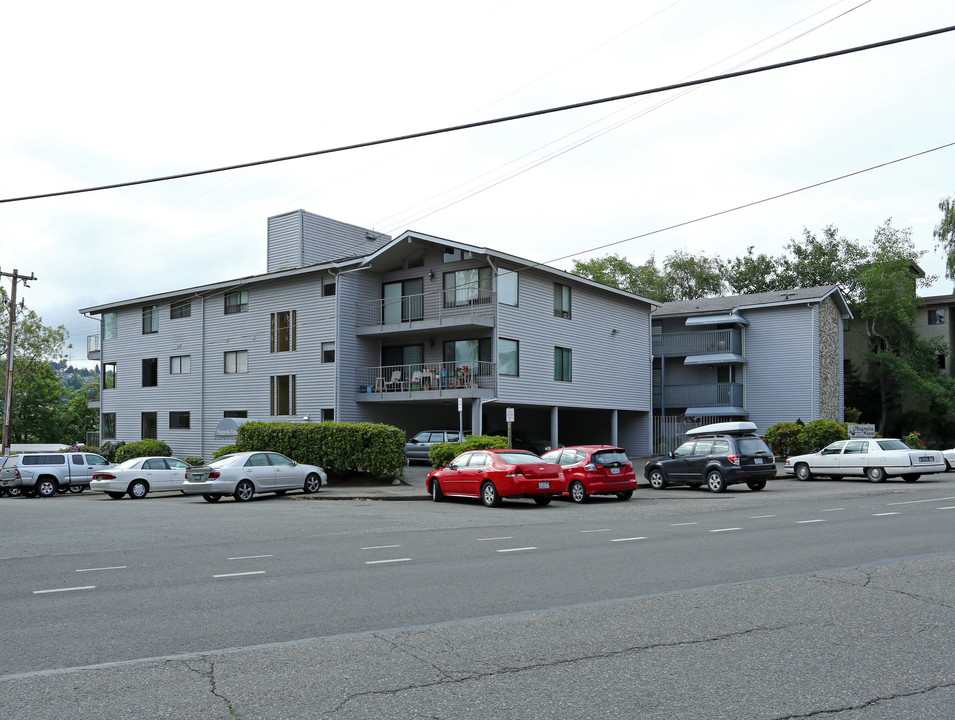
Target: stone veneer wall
point(830, 361)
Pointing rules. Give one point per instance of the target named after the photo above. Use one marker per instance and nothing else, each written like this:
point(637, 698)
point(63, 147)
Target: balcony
point(426, 381)
point(92, 347)
point(706, 342)
point(454, 307)
point(728, 396)
point(92, 398)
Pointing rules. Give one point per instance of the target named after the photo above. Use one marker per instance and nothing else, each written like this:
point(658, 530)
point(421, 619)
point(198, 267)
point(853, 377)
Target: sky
point(105, 92)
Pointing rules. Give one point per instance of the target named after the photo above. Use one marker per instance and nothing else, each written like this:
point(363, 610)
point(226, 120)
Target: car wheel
point(578, 493)
point(77, 489)
point(46, 488)
point(138, 489)
point(244, 491)
point(489, 494)
point(212, 498)
point(658, 480)
point(14, 492)
point(802, 472)
point(62, 490)
point(911, 478)
point(542, 499)
point(716, 481)
point(313, 483)
point(116, 495)
point(436, 493)
point(875, 474)
point(625, 495)
point(756, 485)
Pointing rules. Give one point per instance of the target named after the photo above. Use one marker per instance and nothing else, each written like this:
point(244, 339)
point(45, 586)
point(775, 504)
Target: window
point(508, 357)
point(941, 361)
point(328, 414)
point(454, 254)
point(328, 352)
point(467, 287)
point(845, 326)
point(236, 302)
point(468, 352)
point(507, 287)
point(180, 364)
point(725, 374)
point(150, 319)
point(150, 372)
point(109, 426)
point(402, 301)
point(180, 309)
point(563, 364)
point(149, 426)
point(283, 331)
point(561, 300)
point(109, 376)
point(109, 326)
point(936, 316)
point(178, 421)
point(236, 361)
point(235, 413)
point(282, 395)
point(328, 286)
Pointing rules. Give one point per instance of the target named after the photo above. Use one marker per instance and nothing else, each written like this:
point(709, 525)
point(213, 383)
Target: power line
point(494, 121)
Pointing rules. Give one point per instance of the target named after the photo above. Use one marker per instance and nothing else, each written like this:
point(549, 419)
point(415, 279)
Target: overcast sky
point(104, 92)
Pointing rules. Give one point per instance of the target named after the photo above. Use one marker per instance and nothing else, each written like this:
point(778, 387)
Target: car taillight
point(103, 476)
point(515, 473)
point(214, 474)
point(733, 459)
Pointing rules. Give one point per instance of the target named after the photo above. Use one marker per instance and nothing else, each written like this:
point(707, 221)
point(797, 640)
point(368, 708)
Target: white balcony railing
point(92, 347)
point(443, 376)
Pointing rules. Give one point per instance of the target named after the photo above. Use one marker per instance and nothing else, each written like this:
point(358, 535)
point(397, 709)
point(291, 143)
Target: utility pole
point(8, 395)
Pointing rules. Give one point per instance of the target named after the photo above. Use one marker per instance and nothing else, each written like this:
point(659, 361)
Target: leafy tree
point(751, 273)
point(945, 234)
point(815, 261)
point(691, 276)
point(77, 418)
point(618, 272)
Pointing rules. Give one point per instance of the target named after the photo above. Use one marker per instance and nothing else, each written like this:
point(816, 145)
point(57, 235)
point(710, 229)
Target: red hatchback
point(595, 470)
point(493, 475)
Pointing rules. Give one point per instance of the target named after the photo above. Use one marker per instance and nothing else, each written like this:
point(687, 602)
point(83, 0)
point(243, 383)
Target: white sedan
point(874, 458)
point(244, 474)
point(140, 476)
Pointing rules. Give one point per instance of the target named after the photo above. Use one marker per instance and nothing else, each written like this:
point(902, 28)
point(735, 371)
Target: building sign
point(861, 431)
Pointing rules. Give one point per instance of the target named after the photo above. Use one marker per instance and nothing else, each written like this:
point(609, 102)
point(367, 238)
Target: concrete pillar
point(554, 439)
point(476, 425)
point(613, 428)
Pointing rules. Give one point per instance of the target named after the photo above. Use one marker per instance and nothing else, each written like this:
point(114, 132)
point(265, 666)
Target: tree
point(692, 276)
point(751, 273)
point(945, 234)
point(618, 272)
point(815, 261)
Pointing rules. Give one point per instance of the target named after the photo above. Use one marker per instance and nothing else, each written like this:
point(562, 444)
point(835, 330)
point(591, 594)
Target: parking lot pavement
point(410, 486)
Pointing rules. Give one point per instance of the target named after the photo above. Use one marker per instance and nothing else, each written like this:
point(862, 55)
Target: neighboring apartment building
point(351, 325)
point(766, 358)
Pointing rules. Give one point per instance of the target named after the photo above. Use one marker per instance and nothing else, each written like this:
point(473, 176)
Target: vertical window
point(328, 352)
point(150, 372)
point(109, 426)
point(507, 287)
point(180, 364)
point(109, 325)
point(936, 316)
point(283, 331)
point(236, 361)
point(561, 300)
point(563, 362)
point(236, 302)
point(109, 376)
point(328, 286)
point(282, 395)
point(150, 319)
point(180, 309)
point(402, 301)
point(467, 287)
point(508, 357)
point(178, 421)
point(149, 426)
point(328, 414)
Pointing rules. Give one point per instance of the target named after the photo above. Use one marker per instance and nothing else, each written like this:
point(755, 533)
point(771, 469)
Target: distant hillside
point(74, 377)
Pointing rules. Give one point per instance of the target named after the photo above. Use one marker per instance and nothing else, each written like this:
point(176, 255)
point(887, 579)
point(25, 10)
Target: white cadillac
point(874, 458)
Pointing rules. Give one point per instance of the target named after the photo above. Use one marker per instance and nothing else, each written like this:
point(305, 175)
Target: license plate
point(757, 461)
point(196, 478)
point(926, 459)
point(543, 485)
point(614, 471)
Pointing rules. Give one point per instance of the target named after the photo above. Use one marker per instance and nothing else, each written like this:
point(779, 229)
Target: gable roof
point(735, 303)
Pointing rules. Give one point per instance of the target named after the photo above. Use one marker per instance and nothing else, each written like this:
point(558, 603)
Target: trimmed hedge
point(194, 460)
point(443, 453)
point(788, 438)
point(142, 448)
point(338, 448)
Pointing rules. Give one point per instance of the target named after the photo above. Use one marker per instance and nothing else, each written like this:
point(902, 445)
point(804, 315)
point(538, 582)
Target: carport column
point(476, 428)
point(613, 427)
point(554, 441)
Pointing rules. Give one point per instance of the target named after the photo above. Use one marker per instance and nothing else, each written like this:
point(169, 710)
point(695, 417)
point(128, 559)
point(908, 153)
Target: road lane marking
point(505, 537)
point(682, 524)
point(804, 522)
point(950, 507)
point(69, 589)
point(383, 562)
point(593, 531)
point(884, 514)
point(380, 547)
point(627, 539)
point(516, 549)
point(760, 517)
point(913, 502)
point(250, 557)
point(253, 572)
point(726, 529)
point(114, 567)
point(832, 509)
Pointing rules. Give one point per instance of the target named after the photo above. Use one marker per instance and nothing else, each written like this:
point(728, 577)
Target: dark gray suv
point(716, 455)
point(419, 447)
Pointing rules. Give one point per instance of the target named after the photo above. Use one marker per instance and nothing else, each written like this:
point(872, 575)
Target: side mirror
point(670, 454)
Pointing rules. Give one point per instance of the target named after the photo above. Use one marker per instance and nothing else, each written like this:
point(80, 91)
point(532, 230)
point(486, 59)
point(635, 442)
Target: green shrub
point(142, 448)
point(108, 449)
point(225, 450)
point(786, 438)
point(820, 433)
point(194, 460)
point(443, 453)
point(914, 440)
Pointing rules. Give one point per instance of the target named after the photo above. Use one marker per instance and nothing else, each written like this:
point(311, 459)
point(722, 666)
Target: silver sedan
point(139, 476)
point(242, 475)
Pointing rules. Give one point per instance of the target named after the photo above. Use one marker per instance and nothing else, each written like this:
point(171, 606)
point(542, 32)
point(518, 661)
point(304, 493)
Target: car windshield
point(752, 446)
point(890, 444)
point(515, 457)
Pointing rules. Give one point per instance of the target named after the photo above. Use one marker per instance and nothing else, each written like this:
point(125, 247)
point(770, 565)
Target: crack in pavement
point(869, 576)
point(866, 703)
point(209, 673)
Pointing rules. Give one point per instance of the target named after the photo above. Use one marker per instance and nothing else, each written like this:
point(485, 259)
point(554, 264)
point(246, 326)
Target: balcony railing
point(443, 376)
point(706, 342)
point(700, 395)
point(92, 347)
point(454, 303)
point(92, 398)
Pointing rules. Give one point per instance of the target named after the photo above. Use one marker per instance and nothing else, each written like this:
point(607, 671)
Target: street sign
point(509, 414)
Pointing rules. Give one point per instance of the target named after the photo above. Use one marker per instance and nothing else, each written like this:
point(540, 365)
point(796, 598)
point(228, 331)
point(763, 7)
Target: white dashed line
point(383, 562)
point(884, 514)
point(805, 522)
point(69, 589)
point(760, 517)
point(254, 572)
point(114, 567)
point(950, 507)
point(726, 529)
point(913, 502)
point(593, 531)
point(831, 509)
point(250, 557)
point(505, 537)
point(380, 547)
point(516, 549)
point(627, 539)
point(682, 524)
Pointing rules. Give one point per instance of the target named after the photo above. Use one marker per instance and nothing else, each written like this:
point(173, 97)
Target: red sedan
point(493, 475)
point(595, 470)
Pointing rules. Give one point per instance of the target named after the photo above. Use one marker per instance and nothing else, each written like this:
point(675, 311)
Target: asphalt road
point(821, 599)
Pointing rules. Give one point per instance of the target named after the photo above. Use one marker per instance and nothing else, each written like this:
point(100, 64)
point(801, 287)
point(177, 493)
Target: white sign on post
point(509, 414)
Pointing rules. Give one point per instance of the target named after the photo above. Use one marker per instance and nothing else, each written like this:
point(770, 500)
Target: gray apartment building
point(350, 325)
